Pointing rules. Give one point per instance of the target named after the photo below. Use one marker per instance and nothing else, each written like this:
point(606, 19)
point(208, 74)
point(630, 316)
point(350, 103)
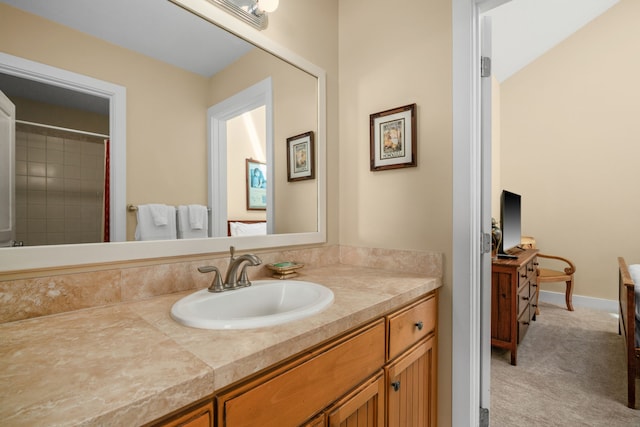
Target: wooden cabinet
point(290, 394)
point(381, 374)
point(412, 380)
point(363, 407)
point(200, 415)
point(513, 295)
point(411, 367)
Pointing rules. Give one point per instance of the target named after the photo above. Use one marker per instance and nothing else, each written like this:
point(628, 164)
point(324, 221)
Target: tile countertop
point(130, 363)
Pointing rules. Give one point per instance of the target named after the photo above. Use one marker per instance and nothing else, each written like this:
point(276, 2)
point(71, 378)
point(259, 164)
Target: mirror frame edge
point(41, 257)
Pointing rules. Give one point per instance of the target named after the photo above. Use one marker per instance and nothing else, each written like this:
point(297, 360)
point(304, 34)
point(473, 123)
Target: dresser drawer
point(527, 273)
point(524, 298)
point(407, 327)
point(523, 324)
point(301, 389)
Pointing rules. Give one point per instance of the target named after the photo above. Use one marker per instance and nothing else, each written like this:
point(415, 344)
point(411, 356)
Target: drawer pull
point(523, 275)
point(525, 298)
point(419, 325)
point(395, 385)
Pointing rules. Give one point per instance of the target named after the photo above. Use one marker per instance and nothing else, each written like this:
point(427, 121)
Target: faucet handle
point(244, 277)
point(216, 284)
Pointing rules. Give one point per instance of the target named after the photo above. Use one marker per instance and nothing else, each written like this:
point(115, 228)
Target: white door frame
point(467, 207)
point(7, 171)
point(117, 96)
point(258, 95)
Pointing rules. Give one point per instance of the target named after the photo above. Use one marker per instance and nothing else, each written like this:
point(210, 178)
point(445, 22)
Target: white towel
point(198, 217)
point(185, 228)
point(156, 222)
point(160, 213)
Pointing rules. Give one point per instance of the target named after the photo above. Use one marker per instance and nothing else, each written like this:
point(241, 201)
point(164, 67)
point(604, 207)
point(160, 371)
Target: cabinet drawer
point(524, 299)
point(523, 324)
point(304, 387)
point(410, 325)
point(527, 273)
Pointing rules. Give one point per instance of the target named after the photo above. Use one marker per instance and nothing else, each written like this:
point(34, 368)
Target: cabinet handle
point(525, 323)
point(523, 275)
point(525, 298)
point(419, 325)
point(395, 385)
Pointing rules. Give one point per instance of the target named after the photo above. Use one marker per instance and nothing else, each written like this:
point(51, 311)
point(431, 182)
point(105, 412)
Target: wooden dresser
point(513, 299)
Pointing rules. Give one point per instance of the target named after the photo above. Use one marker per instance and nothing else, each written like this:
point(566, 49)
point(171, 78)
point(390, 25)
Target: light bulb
point(268, 5)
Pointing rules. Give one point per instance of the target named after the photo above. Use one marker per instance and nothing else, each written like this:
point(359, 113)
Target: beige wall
point(570, 146)
point(390, 57)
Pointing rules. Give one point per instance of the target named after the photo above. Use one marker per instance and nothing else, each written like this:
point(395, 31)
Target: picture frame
point(300, 157)
point(256, 173)
point(393, 138)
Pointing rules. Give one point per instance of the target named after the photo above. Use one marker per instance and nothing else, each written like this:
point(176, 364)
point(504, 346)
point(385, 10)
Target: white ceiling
point(525, 29)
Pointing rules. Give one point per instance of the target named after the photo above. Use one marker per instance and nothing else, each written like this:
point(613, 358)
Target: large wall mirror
point(166, 65)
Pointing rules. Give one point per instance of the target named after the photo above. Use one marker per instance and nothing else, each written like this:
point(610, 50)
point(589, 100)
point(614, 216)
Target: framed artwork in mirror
point(256, 185)
point(393, 138)
point(300, 158)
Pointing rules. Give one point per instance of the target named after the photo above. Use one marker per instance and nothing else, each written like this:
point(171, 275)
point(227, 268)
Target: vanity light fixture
point(253, 12)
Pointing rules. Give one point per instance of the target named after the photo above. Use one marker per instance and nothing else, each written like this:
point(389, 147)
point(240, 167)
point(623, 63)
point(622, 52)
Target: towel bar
point(133, 208)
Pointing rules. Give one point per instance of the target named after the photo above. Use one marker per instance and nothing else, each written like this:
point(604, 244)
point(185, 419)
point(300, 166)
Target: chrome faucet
point(231, 280)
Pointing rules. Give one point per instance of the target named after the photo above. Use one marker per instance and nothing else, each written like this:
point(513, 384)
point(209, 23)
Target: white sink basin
point(264, 303)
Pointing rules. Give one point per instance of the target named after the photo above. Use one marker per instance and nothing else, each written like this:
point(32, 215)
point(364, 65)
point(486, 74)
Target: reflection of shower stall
point(60, 185)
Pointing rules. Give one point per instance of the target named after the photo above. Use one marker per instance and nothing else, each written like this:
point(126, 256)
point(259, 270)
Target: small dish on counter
point(284, 270)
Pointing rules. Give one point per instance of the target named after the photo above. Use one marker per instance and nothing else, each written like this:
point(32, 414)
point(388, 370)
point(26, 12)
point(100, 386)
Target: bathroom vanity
point(131, 364)
point(384, 370)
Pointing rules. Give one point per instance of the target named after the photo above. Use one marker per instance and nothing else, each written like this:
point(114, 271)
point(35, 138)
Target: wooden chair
point(547, 275)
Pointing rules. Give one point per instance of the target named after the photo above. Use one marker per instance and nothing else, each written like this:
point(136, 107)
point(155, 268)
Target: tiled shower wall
point(59, 186)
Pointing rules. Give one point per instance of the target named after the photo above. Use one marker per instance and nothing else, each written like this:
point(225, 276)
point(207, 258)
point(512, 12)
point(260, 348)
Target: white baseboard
point(557, 298)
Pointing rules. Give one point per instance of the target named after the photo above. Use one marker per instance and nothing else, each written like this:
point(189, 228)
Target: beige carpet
point(571, 372)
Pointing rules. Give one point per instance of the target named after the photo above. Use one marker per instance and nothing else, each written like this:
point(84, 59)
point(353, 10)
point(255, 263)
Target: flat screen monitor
point(510, 217)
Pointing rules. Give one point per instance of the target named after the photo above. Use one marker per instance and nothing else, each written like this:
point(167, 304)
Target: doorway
point(25, 80)
point(248, 110)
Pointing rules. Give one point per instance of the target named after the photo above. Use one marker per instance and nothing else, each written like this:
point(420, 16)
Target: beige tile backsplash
point(63, 292)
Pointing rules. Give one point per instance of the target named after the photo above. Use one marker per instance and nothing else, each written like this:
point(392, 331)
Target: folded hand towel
point(149, 229)
point(185, 229)
point(198, 216)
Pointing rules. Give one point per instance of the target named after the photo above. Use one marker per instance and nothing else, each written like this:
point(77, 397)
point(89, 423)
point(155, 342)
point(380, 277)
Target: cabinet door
point(411, 387)
point(319, 421)
point(201, 416)
point(364, 407)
